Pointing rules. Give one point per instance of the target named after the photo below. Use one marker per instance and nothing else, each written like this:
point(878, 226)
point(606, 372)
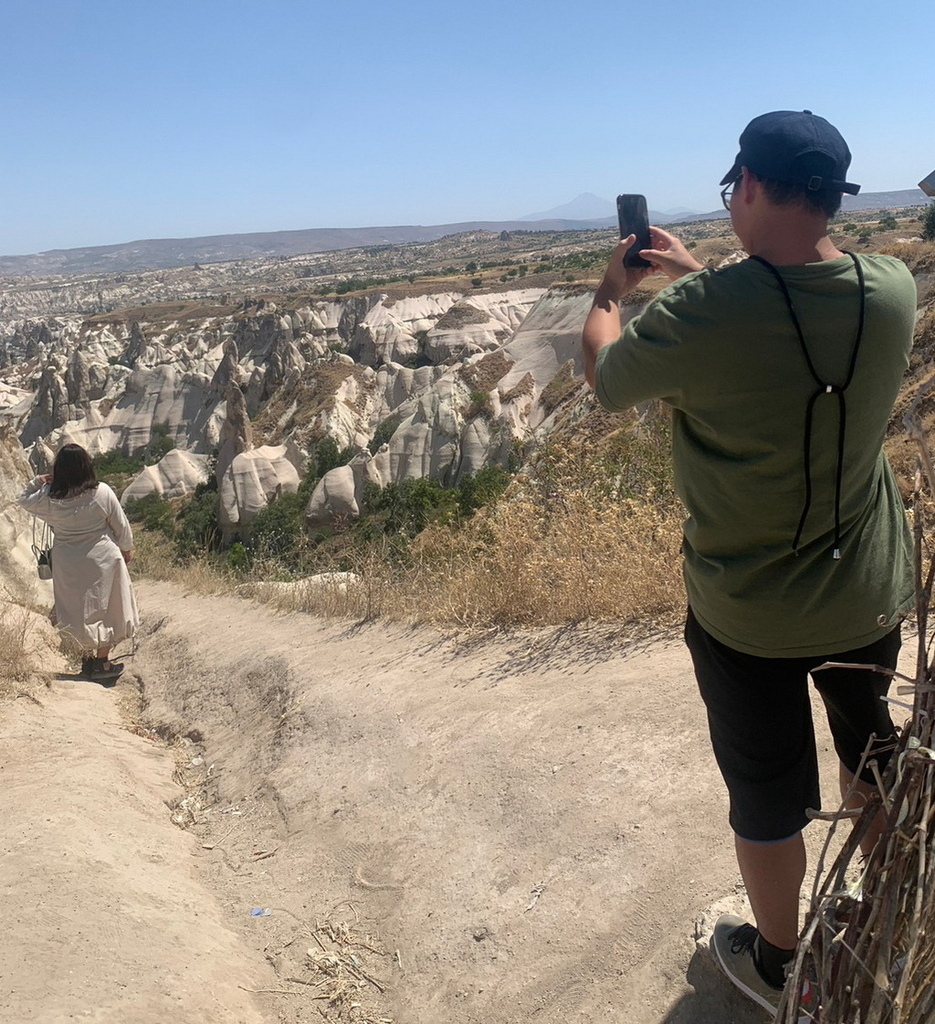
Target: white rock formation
point(334, 498)
point(183, 403)
point(248, 478)
point(12, 397)
point(204, 377)
point(478, 323)
point(390, 330)
point(250, 483)
point(548, 338)
point(18, 578)
point(176, 474)
point(339, 494)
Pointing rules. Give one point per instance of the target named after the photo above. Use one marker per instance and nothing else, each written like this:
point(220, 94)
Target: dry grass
point(528, 563)
point(19, 646)
point(339, 975)
point(15, 654)
point(155, 557)
point(591, 531)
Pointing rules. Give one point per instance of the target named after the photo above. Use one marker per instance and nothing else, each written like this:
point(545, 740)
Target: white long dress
point(94, 601)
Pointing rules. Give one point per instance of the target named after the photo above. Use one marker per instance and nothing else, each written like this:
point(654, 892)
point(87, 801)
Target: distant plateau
point(164, 253)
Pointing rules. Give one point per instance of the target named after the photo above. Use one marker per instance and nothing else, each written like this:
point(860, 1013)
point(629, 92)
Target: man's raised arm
point(602, 326)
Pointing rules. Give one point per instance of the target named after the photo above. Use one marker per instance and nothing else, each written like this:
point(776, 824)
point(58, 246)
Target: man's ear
point(749, 187)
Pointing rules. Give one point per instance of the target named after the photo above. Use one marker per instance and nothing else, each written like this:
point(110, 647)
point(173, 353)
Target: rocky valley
point(424, 360)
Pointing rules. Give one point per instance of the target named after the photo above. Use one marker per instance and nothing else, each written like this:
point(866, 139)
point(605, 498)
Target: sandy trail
point(527, 825)
point(104, 917)
point(523, 827)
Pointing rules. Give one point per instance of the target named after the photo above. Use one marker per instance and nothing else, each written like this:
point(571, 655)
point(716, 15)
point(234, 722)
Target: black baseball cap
point(795, 147)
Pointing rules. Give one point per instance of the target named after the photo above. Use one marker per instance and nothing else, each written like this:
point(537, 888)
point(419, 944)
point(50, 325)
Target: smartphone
point(633, 217)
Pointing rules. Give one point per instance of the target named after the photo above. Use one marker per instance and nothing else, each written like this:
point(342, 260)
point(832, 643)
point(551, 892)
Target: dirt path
point(521, 828)
point(105, 919)
point(527, 826)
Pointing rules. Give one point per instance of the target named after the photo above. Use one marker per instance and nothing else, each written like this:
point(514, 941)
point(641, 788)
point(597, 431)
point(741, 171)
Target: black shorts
point(760, 720)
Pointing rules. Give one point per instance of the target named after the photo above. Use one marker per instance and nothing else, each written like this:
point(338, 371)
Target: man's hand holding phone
point(620, 279)
point(669, 255)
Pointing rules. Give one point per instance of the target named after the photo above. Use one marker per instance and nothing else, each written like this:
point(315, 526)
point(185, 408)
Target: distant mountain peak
point(586, 206)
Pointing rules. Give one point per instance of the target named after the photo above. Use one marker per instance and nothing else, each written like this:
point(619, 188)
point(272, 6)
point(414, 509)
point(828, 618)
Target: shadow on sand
point(77, 677)
point(715, 1000)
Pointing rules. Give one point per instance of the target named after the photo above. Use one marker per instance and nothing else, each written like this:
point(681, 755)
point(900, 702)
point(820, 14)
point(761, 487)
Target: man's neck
point(791, 240)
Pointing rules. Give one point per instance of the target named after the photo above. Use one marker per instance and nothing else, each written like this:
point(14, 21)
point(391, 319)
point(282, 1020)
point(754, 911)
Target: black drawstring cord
point(824, 389)
point(809, 409)
point(839, 476)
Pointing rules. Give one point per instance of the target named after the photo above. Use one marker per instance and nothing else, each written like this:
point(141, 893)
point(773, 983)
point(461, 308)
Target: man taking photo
point(781, 372)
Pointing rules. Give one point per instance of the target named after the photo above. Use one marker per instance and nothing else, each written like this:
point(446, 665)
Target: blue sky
point(168, 119)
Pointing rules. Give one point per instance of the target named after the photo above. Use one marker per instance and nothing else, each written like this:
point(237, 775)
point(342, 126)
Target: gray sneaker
point(733, 942)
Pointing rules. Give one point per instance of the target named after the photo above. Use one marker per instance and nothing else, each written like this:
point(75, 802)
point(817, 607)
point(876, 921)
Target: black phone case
point(633, 217)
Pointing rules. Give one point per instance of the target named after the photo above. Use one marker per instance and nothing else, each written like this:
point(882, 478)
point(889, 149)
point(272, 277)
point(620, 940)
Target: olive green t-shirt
point(720, 348)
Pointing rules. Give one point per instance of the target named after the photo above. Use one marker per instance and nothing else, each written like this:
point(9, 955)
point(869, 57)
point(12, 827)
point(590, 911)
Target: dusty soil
point(512, 828)
point(105, 918)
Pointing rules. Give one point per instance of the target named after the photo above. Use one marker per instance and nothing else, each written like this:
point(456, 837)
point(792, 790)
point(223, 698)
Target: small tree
point(385, 430)
point(928, 223)
point(160, 444)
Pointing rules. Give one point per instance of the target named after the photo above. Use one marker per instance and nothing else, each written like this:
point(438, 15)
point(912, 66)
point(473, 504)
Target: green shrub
point(479, 405)
point(481, 489)
point(116, 469)
point(198, 528)
point(928, 223)
point(160, 444)
point(115, 463)
point(152, 512)
point(277, 529)
point(385, 430)
point(238, 558)
point(409, 507)
point(328, 456)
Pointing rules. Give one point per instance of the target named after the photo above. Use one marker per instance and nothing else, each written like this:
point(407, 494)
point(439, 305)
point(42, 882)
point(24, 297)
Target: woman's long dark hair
point(72, 472)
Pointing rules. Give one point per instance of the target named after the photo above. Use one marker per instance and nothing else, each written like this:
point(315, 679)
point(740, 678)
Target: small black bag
point(44, 562)
point(43, 551)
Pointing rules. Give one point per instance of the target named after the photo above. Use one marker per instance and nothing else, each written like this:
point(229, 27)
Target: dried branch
point(866, 946)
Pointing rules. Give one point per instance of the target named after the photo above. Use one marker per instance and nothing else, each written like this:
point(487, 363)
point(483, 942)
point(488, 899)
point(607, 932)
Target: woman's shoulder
point(105, 494)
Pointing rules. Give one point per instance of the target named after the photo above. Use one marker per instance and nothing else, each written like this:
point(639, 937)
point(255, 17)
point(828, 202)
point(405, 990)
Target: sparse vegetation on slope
point(589, 531)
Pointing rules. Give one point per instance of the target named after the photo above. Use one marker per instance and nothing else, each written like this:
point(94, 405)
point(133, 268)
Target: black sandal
point(101, 668)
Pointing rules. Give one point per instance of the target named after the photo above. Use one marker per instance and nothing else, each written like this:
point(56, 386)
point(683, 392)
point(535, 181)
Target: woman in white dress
point(93, 542)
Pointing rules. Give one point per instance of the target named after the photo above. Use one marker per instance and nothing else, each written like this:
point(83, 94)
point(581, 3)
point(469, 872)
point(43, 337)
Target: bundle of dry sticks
point(868, 947)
